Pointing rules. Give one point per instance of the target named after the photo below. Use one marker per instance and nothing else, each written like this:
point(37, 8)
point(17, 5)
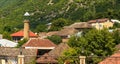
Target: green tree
point(6, 35)
point(116, 25)
point(95, 42)
point(116, 36)
point(58, 24)
point(41, 28)
point(69, 56)
point(21, 42)
point(54, 38)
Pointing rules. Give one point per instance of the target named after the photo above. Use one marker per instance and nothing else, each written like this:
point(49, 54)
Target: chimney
point(26, 29)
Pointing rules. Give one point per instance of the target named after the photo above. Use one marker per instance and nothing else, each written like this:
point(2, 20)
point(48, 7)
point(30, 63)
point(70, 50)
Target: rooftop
point(39, 43)
point(58, 51)
point(21, 33)
point(98, 20)
point(14, 52)
point(46, 58)
point(79, 25)
point(7, 43)
point(113, 59)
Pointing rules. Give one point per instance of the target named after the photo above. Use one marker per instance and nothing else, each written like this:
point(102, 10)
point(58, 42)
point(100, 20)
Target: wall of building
point(102, 25)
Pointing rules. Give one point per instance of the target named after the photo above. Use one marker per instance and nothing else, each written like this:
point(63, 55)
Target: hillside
point(44, 11)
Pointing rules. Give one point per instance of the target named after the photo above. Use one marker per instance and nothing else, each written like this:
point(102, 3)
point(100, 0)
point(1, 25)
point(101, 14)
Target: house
point(42, 45)
point(58, 51)
point(25, 33)
point(45, 59)
point(9, 55)
point(66, 33)
point(113, 59)
point(43, 35)
point(20, 34)
point(52, 56)
point(101, 23)
point(7, 43)
point(80, 26)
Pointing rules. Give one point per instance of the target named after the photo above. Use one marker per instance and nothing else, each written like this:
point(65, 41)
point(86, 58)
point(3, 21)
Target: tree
point(68, 56)
point(56, 39)
point(95, 42)
point(58, 24)
point(21, 42)
point(116, 36)
point(41, 28)
point(6, 35)
point(116, 25)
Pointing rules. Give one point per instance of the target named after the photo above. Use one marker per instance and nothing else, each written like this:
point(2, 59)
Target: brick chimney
point(26, 29)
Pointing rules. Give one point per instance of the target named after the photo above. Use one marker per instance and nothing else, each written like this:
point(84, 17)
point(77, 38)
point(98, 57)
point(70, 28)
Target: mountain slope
point(44, 11)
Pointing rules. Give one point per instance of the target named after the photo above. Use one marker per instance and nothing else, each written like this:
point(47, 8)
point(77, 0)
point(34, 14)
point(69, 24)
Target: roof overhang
point(45, 48)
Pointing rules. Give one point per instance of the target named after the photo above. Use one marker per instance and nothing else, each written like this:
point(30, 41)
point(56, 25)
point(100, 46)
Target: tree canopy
point(56, 39)
point(99, 43)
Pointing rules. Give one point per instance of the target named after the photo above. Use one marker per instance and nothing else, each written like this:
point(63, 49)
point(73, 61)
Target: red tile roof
point(113, 59)
point(21, 33)
point(37, 42)
point(46, 58)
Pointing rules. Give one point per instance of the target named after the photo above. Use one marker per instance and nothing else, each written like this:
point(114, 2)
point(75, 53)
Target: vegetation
point(21, 42)
point(42, 12)
point(116, 36)
point(59, 23)
point(116, 25)
point(61, 13)
point(96, 43)
point(56, 39)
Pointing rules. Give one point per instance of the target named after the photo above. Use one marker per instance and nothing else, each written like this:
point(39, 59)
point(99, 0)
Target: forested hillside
point(45, 11)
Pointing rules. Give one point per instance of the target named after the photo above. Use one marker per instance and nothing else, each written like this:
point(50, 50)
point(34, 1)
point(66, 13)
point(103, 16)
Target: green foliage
point(58, 24)
point(116, 25)
point(55, 39)
point(41, 28)
point(11, 12)
point(21, 42)
point(6, 35)
point(69, 56)
point(116, 36)
point(96, 42)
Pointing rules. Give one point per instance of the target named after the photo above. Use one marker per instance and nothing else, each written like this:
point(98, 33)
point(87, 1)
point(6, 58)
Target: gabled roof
point(46, 58)
point(21, 33)
point(66, 32)
point(7, 43)
point(79, 25)
point(53, 54)
point(14, 52)
point(58, 51)
point(98, 20)
point(113, 59)
point(39, 43)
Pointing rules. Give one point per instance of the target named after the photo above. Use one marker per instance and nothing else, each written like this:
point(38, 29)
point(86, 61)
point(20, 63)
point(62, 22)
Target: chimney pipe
point(26, 29)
